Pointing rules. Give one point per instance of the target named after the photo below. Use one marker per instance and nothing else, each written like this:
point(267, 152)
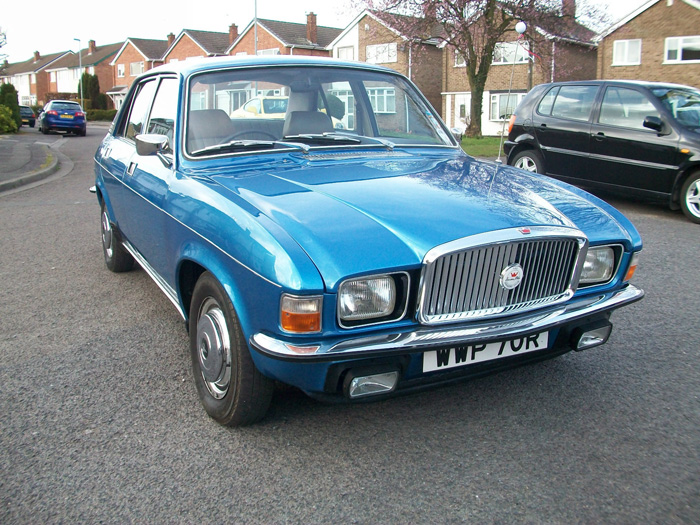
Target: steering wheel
point(234, 136)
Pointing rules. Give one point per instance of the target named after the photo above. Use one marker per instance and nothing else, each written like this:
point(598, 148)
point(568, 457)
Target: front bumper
point(424, 339)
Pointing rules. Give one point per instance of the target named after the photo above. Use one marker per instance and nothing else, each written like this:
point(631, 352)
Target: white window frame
point(675, 43)
point(381, 53)
point(509, 56)
point(343, 52)
point(135, 69)
point(120, 70)
point(460, 61)
point(621, 53)
point(497, 99)
point(384, 97)
point(271, 51)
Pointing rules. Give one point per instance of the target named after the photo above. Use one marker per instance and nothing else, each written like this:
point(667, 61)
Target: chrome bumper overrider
point(423, 339)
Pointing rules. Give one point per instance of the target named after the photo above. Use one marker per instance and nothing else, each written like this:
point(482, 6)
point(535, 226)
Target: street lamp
point(520, 28)
point(80, 67)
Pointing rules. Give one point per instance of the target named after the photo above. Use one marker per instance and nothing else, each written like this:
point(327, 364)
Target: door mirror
point(150, 144)
point(654, 123)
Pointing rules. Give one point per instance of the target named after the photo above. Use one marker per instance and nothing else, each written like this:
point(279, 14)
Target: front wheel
point(230, 387)
point(690, 197)
point(529, 160)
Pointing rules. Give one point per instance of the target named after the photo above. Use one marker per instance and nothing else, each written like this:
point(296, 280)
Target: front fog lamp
point(300, 315)
point(370, 298)
point(599, 265)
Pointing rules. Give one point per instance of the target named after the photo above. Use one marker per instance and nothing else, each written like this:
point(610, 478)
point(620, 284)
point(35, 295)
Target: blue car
point(354, 263)
point(63, 115)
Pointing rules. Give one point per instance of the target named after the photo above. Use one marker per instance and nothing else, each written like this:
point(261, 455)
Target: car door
point(562, 126)
point(623, 151)
point(147, 178)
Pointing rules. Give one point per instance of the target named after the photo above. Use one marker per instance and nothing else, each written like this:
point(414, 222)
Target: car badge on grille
point(524, 231)
point(511, 276)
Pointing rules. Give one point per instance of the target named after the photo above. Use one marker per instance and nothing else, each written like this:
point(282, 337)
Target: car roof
point(188, 67)
point(641, 83)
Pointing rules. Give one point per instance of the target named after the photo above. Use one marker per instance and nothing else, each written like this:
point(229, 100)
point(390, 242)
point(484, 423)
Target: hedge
point(101, 114)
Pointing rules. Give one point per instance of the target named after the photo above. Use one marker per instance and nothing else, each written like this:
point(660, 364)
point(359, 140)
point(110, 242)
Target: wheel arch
point(522, 143)
point(675, 199)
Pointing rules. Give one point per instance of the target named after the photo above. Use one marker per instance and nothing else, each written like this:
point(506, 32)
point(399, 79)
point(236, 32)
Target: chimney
point(171, 39)
point(568, 8)
point(91, 47)
point(232, 33)
point(37, 56)
point(311, 28)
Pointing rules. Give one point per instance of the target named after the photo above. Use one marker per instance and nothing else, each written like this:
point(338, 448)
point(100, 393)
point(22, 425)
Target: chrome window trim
point(359, 324)
point(490, 239)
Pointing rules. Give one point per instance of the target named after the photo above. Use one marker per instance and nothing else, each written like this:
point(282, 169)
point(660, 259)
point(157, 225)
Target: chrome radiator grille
point(467, 283)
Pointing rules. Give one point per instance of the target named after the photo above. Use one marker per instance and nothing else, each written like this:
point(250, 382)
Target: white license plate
point(465, 355)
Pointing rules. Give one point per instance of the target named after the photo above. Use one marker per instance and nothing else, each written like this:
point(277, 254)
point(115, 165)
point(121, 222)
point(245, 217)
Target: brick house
point(284, 38)
point(660, 41)
point(30, 78)
point(65, 73)
point(191, 43)
point(566, 52)
point(378, 38)
point(135, 56)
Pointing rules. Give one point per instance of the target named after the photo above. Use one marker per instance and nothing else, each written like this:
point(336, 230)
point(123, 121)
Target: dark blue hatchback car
point(63, 115)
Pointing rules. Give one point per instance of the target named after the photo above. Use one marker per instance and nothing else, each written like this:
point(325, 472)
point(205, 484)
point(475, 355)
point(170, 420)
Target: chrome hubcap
point(214, 348)
point(107, 235)
point(692, 198)
point(527, 164)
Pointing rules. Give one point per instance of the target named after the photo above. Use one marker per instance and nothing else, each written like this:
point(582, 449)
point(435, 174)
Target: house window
point(273, 51)
point(627, 52)
point(135, 68)
point(383, 100)
point(52, 76)
point(503, 105)
point(33, 78)
point(120, 70)
point(381, 53)
point(346, 53)
point(511, 52)
point(460, 61)
point(682, 49)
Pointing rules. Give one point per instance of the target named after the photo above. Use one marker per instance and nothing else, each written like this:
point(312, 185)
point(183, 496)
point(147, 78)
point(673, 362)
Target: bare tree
point(474, 28)
point(3, 41)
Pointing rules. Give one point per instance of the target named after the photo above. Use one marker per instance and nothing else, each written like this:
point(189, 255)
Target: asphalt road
point(100, 421)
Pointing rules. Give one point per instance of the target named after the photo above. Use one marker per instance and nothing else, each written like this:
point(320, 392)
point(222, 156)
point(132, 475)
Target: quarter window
point(571, 102)
point(164, 112)
point(381, 53)
point(682, 49)
point(627, 52)
point(626, 107)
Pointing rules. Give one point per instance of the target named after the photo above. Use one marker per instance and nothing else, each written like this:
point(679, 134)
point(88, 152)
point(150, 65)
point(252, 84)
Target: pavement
point(25, 161)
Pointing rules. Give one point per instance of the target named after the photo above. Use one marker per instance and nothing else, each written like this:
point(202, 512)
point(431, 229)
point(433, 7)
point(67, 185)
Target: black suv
point(637, 138)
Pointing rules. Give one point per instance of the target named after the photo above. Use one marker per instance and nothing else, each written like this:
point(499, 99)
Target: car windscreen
point(683, 104)
point(345, 104)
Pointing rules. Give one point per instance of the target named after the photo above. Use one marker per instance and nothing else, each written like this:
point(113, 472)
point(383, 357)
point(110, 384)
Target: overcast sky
point(33, 26)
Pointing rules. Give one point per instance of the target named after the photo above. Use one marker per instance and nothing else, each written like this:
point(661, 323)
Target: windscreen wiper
point(242, 145)
point(327, 137)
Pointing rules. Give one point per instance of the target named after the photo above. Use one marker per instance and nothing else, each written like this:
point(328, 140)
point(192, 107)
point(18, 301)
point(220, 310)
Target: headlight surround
point(367, 298)
point(599, 265)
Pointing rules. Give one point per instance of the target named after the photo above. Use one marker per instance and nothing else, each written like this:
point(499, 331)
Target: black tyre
point(117, 258)
point(529, 160)
point(43, 130)
point(690, 197)
point(229, 385)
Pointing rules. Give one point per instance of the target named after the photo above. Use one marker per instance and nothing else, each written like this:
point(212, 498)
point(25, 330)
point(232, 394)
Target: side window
point(574, 102)
point(164, 112)
point(138, 112)
point(626, 107)
point(545, 107)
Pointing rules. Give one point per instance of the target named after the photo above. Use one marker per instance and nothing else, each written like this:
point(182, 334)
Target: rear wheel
point(230, 387)
point(529, 160)
point(690, 197)
point(117, 258)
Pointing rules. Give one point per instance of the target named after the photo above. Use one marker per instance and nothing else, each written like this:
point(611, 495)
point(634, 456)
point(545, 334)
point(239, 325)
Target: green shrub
point(101, 114)
point(7, 123)
point(8, 98)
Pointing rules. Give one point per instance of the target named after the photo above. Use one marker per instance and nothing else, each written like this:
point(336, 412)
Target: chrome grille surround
point(460, 280)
